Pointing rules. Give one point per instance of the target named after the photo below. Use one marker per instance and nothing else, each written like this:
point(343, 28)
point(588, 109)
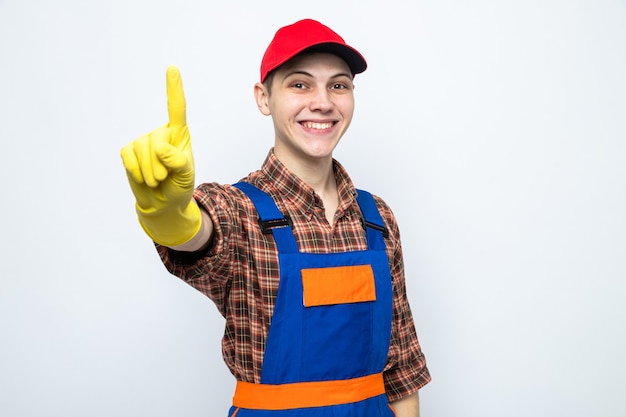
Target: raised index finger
point(176, 105)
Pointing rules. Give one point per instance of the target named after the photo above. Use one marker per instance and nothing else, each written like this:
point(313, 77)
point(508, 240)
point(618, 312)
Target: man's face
point(311, 103)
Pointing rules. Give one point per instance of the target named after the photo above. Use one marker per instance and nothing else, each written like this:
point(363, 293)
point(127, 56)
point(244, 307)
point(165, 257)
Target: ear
point(261, 95)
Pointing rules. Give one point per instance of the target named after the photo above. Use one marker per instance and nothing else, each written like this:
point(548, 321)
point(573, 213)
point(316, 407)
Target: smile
point(318, 125)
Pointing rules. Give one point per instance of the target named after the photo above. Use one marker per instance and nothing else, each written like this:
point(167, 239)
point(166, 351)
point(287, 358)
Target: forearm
point(201, 239)
point(408, 406)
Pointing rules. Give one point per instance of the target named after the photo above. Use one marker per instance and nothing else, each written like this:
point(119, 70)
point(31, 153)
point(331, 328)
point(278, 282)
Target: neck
point(320, 176)
point(317, 173)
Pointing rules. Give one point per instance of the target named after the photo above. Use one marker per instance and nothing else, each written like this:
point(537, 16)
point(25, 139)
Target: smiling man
point(306, 269)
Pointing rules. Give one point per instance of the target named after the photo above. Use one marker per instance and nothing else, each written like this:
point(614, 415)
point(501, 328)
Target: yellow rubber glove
point(160, 171)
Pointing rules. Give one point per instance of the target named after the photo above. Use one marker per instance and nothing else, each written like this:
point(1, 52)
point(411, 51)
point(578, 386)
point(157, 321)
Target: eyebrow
point(302, 72)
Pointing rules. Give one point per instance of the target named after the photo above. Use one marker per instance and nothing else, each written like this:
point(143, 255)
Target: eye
point(340, 86)
point(299, 86)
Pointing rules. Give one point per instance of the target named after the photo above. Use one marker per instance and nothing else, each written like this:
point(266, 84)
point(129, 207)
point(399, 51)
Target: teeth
point(315, 125)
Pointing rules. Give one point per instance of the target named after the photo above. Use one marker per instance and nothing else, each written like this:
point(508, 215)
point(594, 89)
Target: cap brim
point(353, 58)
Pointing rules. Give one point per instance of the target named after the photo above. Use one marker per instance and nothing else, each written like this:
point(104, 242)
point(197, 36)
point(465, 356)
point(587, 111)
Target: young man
point(306, 270)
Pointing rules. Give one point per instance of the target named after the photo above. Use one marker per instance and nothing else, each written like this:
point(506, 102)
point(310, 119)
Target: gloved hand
point(160, 171)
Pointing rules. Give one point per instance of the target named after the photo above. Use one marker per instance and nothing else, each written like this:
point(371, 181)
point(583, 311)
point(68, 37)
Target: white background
point(496, 130)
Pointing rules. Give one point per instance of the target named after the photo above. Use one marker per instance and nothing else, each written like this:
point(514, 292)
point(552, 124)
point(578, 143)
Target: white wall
point(496, 130)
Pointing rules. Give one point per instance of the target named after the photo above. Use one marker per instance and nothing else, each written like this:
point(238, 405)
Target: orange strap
point(307, 394)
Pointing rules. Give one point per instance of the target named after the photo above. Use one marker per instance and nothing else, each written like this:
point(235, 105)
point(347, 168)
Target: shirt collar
point(290, 186)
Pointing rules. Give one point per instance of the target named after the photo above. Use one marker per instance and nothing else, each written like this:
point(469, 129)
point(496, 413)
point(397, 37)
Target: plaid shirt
point(239, 269)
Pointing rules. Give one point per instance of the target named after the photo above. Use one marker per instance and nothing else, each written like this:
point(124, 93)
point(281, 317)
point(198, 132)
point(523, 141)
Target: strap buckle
point(375, 226)
point(267, 225)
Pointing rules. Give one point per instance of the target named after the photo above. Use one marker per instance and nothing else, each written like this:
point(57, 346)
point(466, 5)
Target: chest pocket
point(338, 285)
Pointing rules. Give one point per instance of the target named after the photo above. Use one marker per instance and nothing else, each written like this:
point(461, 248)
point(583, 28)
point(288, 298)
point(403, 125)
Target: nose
point(321, 100)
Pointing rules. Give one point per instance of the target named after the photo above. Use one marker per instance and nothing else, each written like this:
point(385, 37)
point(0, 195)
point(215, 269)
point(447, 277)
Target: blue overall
point(327, 342)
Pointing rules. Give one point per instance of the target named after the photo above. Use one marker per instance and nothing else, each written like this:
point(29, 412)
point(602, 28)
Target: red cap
point(308, 35)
